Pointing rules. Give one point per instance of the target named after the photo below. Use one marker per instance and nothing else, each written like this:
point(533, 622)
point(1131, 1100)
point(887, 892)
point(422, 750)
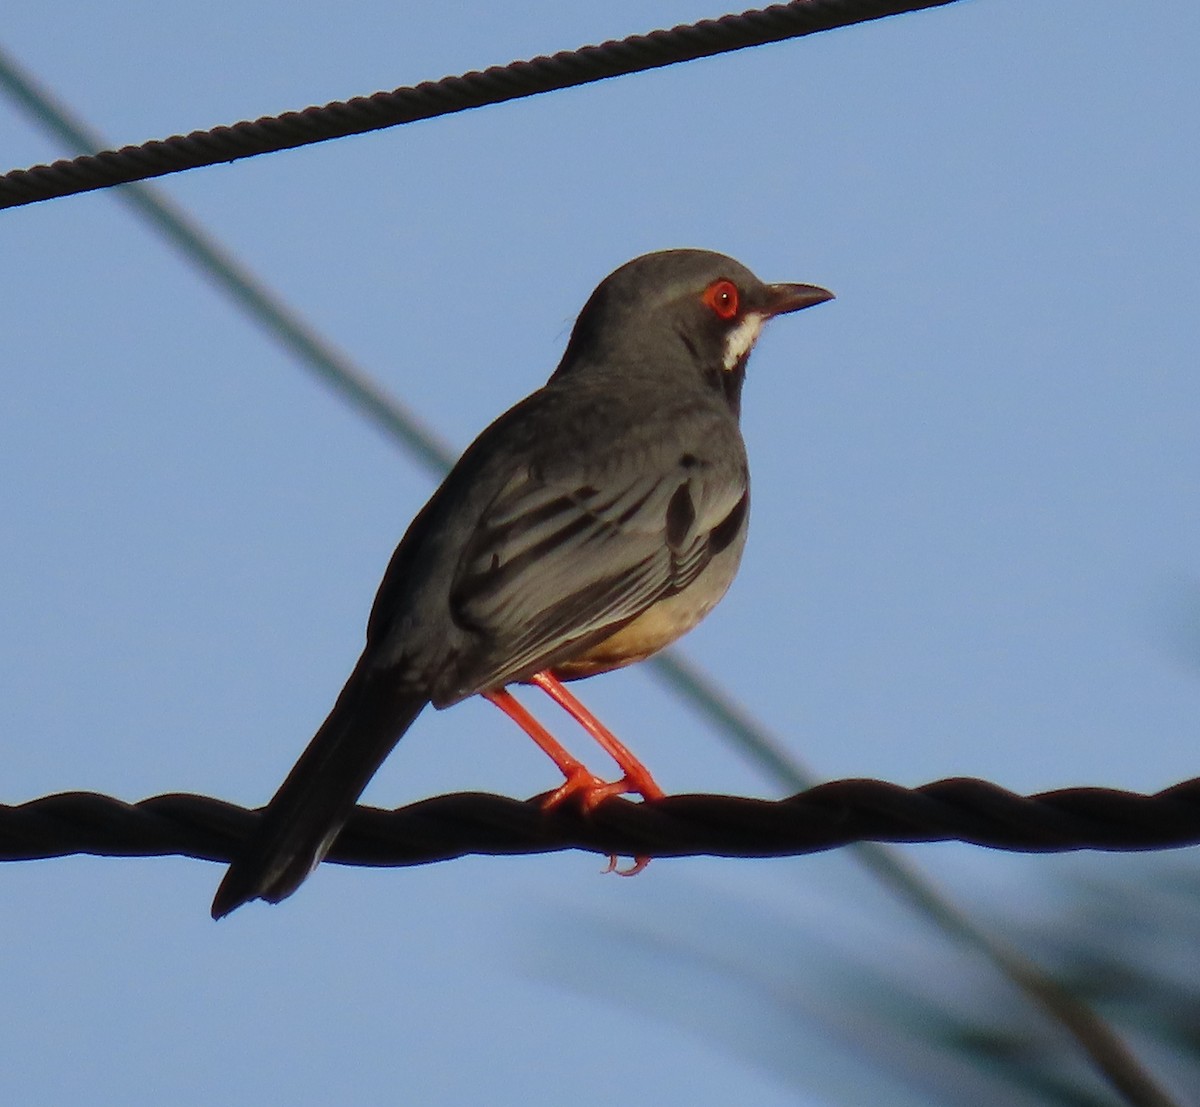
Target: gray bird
point(585, 529)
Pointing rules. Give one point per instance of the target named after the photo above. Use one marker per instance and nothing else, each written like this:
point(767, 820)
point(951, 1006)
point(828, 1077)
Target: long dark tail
point(302, 820)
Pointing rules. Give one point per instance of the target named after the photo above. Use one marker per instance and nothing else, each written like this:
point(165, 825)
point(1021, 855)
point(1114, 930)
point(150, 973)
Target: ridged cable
point(451, 94)
point(450, 826)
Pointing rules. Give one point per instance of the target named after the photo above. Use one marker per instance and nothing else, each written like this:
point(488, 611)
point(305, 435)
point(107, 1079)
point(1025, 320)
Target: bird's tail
point(303, 818)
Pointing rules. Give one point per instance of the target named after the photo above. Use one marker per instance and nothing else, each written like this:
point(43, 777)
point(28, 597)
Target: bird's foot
point(639, 863)
point(591, 791)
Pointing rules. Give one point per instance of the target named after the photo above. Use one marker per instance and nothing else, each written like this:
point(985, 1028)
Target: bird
point(585, 529)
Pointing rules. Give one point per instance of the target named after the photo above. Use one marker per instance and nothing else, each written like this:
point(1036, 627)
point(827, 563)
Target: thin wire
point(496, 85)
point(1101, 1044)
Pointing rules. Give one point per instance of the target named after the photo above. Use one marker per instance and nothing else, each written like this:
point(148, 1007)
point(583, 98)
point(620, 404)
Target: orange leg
point(579, 778)
point(637, 777)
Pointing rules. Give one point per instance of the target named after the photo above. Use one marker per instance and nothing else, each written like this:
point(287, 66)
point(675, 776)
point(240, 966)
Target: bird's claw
point(639, 863)
point(592, 791)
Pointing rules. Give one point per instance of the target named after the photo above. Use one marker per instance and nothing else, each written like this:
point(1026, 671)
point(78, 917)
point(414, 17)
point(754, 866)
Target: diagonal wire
point(501, 83)
point(1102, 1045)
point(266, 308)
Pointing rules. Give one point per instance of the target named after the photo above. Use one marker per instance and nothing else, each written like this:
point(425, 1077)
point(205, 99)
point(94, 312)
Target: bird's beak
point(782, 298)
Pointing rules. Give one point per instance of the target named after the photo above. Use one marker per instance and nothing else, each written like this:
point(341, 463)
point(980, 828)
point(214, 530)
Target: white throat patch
point(740, 340)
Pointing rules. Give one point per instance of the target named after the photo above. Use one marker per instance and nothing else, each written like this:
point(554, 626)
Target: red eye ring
point(722, 298)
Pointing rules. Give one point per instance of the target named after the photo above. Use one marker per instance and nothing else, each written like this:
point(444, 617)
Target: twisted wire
point(450, 826)
point(429, 99)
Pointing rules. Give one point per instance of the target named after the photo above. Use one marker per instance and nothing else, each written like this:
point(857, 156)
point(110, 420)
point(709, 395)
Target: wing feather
point(556, 564)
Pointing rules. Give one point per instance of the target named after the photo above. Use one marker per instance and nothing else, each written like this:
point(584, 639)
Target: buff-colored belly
point(658, 626)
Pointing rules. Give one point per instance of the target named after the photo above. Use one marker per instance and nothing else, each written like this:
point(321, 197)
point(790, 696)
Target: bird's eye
point(722, 298)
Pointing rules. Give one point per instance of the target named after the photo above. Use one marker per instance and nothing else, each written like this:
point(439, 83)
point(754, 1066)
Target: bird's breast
point(660, 624)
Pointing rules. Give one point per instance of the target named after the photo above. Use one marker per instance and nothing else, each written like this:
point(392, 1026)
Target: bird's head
point(680, 311)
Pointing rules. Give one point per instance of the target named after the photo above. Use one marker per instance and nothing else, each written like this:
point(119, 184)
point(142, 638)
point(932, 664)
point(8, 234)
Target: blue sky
point(974, 546)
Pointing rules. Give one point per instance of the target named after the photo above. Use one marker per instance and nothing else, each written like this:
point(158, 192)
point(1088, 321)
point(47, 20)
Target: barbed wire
point(566, 69)
point(446, 827)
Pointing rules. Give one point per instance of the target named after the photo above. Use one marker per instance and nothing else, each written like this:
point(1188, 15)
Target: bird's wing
point(556, 561)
